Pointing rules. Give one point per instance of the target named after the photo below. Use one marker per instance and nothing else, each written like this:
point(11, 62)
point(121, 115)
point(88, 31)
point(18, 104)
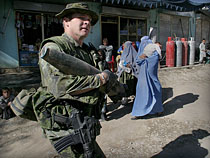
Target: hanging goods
point(184, 51)
point(178, 52)
point(191, 43)
point(170, 52)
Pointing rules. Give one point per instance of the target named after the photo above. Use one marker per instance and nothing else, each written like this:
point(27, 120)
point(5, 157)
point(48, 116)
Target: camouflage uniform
point(58, 87)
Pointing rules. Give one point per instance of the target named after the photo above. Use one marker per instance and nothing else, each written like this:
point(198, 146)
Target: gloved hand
point(107, 76)
point(113, 87)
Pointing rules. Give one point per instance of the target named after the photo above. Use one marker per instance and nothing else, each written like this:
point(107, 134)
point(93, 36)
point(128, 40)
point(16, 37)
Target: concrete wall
point(95, 35)
point(202, 29)
point(174, 24)
point(152, 21)
point(8, 39)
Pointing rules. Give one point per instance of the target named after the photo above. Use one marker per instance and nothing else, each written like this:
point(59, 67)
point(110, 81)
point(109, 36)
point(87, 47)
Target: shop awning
point(178, 5)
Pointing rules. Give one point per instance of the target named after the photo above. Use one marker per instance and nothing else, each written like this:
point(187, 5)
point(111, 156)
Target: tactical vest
point(67, 45)
point(30, 104)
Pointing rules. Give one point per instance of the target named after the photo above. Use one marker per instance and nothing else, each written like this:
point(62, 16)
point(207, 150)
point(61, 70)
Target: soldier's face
point(79, 25)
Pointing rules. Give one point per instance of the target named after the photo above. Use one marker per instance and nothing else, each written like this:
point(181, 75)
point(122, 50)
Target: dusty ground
point(183, 131)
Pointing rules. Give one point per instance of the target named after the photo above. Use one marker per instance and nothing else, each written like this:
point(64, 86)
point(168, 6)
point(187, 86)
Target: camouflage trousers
point(45, 108)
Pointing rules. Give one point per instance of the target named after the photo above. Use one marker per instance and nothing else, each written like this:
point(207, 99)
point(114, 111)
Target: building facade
point(24, 24)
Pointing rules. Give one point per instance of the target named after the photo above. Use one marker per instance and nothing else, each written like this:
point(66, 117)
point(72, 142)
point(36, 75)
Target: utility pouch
point(22, 105)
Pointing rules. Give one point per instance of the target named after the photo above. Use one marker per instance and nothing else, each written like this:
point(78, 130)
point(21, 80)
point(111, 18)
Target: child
point(5, 102)
point(102, 63)
point(107, 49)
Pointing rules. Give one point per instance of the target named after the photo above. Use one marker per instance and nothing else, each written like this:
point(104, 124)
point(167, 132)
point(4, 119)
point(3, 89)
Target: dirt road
point(182, 132)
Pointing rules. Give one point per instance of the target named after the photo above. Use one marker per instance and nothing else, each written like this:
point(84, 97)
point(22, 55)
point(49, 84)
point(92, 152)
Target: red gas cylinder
point(170, 52)
point(184, 51)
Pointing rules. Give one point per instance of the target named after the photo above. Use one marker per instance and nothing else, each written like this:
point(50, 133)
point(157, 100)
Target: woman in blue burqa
point(128, 70)
point(148, 98)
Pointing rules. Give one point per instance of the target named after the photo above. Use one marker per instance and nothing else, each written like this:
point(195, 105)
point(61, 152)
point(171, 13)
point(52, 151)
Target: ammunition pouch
point(85, 131)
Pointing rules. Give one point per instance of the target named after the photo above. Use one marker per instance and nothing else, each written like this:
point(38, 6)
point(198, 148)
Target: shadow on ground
point(174, 104)
point(115, 112)
point(178, 102)
point(169, 107)
point(166, 93)
point(185, 146)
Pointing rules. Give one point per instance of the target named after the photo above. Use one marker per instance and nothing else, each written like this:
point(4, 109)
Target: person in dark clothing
point(5, 102)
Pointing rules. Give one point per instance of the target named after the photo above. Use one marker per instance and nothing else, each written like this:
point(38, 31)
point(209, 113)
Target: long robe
point(129, 57)
point(148, 98)
point(128, 75)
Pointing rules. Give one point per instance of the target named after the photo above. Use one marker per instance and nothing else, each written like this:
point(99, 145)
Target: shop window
point(132, 29)
point(52, 26)
point(123, 26)
point(30, 33)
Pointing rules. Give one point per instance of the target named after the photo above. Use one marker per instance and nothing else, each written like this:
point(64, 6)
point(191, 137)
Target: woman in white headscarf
point(148, 98)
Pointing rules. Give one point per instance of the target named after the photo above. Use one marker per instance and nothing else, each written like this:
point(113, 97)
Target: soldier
point(68, 106)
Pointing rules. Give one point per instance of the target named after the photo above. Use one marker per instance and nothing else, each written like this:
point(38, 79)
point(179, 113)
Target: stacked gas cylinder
point(180, 52)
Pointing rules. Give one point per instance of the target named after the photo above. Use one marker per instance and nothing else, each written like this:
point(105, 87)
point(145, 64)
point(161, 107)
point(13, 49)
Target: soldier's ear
point(66, 19)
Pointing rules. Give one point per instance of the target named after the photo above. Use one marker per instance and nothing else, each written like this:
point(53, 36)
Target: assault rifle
point(85, 131)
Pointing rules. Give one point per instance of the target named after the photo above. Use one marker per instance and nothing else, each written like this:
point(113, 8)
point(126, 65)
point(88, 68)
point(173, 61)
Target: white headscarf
point(151, 48)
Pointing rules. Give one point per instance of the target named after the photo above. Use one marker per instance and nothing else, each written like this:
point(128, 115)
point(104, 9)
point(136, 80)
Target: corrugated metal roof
point(178, 5)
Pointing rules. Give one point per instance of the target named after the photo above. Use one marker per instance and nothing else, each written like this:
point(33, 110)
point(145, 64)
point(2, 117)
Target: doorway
point(109, 29)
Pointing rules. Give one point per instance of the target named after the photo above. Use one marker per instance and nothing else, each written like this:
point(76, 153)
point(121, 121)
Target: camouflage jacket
point(58, 86)
point(62, 85)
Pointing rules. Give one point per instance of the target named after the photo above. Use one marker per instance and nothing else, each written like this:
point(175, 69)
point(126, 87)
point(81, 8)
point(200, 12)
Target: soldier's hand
point(107, 76)
point(113, 87)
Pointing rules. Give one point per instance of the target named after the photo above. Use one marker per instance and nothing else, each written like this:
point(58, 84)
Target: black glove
point(109, 76)
point(114, 88)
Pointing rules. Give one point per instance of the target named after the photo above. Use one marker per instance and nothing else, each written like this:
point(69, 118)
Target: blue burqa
point(148, 98)
point(128, 57)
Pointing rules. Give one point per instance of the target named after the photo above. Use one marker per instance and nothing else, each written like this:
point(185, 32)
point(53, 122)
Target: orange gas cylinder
point(170, 52)
point(184, 51)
